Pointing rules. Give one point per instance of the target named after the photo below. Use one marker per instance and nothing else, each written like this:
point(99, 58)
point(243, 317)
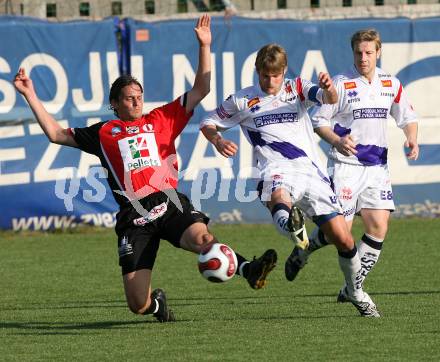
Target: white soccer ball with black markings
point(217, 262)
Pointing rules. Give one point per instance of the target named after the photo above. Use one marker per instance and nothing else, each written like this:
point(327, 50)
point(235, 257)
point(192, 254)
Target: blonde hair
point(366, 35)
point(272, 58)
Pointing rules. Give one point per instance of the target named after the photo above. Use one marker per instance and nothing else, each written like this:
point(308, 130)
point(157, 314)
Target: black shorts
point(141, 225)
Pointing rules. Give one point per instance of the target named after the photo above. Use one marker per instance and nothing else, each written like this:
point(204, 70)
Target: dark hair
point(118, 84)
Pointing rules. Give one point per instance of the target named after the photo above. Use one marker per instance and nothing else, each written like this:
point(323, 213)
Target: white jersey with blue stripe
point(278, 126)
point(362, 111)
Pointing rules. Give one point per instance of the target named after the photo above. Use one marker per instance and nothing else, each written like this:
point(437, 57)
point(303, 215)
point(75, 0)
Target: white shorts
point(361, 187)
point(309, 187)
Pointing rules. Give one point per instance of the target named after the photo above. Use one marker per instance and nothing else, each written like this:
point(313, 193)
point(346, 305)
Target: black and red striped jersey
point(140, 155)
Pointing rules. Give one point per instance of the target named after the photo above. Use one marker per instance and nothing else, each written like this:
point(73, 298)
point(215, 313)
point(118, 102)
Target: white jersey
point(362, 111)
point(278, 126)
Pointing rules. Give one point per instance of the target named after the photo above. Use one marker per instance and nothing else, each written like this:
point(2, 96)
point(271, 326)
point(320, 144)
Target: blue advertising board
point(43, 185)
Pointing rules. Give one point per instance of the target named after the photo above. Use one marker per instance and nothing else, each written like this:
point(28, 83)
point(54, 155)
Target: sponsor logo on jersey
point(353, 94)
point(350, 85)
point(252, 102)
point(288, 88)
point(132, 129)
point(269, 119)
point(346, 193)
point(148, 127)
point(116, 130)
point(255, 108)
point(387, 83)
point(370, 113)
point(155, 213)
point(222, 113)
point(136, 149)
point(139, 151)
point(387, 94)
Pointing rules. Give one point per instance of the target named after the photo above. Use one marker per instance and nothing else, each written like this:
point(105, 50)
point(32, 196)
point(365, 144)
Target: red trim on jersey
point(397, 99)
point(299, 89)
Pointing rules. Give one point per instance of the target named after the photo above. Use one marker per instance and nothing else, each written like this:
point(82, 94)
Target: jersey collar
point(362, 78)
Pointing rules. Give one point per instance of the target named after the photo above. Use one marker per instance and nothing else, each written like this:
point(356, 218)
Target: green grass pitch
point(62, 300)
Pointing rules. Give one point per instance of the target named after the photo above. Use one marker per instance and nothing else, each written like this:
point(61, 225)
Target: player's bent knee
point(344, 242)
point(202, 240)
point(207, 239)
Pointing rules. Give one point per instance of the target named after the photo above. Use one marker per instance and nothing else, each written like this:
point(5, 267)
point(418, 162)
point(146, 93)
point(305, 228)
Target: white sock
point(240, 270)
point(369, 249)
point(280, 216)
point(350, 265)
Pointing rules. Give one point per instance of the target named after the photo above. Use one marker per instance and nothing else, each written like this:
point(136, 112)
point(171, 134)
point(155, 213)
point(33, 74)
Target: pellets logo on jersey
point(350, 85)
point(138, 148)
point(252, 102)
point(352, 93)
point(387, 83)
point(139, 151)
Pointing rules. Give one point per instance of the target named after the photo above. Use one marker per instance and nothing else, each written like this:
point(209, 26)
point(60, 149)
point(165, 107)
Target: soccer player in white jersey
point(273, 116)
point(356, 128)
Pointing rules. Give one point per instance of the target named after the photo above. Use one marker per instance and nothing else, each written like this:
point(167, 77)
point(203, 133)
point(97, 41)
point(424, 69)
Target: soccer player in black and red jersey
point(139, 154)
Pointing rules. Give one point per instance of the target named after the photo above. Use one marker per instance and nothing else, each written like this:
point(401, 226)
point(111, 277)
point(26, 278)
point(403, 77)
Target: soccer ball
point(217, 262)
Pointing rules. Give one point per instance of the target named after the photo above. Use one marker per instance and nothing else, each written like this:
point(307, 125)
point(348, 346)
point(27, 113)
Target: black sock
point(153, 305)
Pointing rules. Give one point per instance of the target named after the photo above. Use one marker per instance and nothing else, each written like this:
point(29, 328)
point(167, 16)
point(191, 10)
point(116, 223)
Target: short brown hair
point(271, 57)
point(366, 35)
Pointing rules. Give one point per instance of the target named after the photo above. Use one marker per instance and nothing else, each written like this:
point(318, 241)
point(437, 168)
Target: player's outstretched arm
point(56, 134)
point(344, 145)
point(225, 147)
point(330, 94)
point(202, 81)
point(410, 131)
